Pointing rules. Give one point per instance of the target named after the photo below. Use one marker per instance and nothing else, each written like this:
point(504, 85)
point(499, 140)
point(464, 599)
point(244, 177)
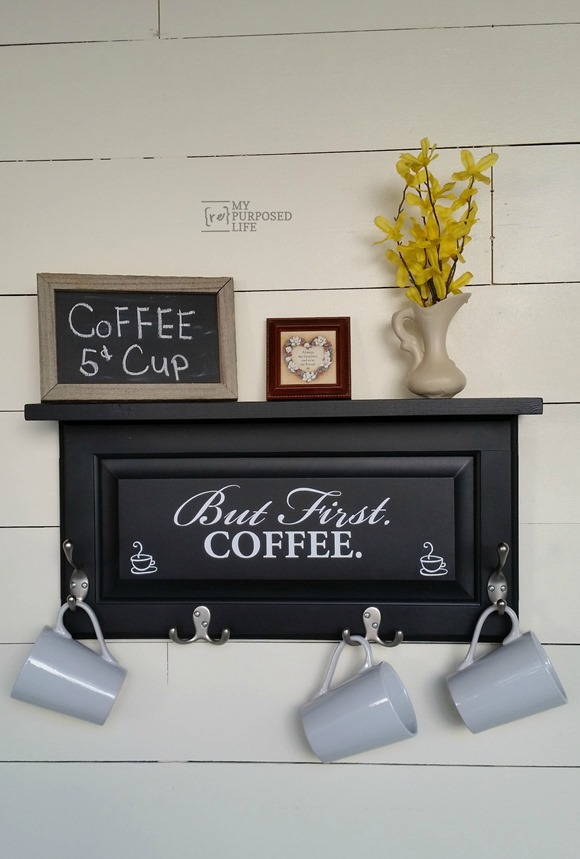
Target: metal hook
point(201, 621)
point(497, 586)
point(78, 584)
point(372, 623)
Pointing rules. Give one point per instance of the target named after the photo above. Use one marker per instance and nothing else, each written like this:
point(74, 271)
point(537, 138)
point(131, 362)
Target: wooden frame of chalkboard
point(119, 337)
point(289, 519)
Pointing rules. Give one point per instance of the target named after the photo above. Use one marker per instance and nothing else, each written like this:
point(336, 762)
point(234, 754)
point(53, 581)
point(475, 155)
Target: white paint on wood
point(30, 581)
point(181, 18)
point(535, 228)
point(277, 94)
point(549, 580)
point(31, 22)
point(547, 563)
point(258, 810)
point(158, 216)
point(241, 703)
point(29, 469)
point(19, 361)
point(550, 466)
point(503, 346)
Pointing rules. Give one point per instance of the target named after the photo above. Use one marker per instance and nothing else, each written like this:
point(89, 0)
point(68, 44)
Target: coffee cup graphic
point(432, 565)
point(142, 563)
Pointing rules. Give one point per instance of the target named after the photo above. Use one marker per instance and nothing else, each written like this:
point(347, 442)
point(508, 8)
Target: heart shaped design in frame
point(308, 359)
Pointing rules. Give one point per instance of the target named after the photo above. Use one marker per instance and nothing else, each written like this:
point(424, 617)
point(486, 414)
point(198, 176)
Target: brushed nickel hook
point(372, 623)
point(78, 584)
point(201, 621)
point(497, 586)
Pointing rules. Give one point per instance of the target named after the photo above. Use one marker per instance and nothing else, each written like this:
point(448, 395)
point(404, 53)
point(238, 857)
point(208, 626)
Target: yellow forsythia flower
point(429, 239)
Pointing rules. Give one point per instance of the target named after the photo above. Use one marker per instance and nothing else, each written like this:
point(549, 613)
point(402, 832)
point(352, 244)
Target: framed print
point(109, 338)
point(308, 358)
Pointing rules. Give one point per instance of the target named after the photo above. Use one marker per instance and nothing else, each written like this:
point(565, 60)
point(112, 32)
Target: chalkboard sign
point(136, 338)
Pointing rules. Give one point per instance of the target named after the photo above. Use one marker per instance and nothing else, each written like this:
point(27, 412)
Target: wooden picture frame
point(121, 337)
point(308, 358)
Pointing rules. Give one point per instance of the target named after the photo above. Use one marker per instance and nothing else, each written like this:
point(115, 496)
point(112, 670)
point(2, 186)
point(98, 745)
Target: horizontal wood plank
point(240, 702)
point(312, 220)
point(29, 22)
point(29, 468)
point(275, 94)
point(548, 583)
point(550, 466)
point(163, 809)
point(19, 359)
point(30, 563)
point(75, 412)
point(180, 18)
point(481, 341)
point(534, 198)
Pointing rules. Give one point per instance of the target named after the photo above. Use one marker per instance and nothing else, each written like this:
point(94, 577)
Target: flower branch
point(427, 247)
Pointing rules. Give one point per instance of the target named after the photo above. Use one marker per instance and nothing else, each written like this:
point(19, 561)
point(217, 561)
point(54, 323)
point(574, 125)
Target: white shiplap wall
point(118, 119)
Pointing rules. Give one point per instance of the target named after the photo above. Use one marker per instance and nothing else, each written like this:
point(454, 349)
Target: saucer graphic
point(432, 565)
point(142, 564)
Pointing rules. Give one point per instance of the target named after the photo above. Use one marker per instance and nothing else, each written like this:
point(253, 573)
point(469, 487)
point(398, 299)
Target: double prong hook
point(497, 586)
point(78, 584)
point(201, 621)
point(372, 623)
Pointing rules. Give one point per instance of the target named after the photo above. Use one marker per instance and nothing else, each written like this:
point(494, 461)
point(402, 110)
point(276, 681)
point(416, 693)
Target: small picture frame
point(308, 358)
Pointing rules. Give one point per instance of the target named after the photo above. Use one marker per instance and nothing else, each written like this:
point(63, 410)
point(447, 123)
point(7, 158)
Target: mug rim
point(32, 686)
point(469, 703)
point(398, 719)
point(403, 706)
point(546, 661)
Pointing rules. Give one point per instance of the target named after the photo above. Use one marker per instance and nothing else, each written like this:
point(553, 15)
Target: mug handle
point(62, 630)
point(511, 636)
point(368, 663)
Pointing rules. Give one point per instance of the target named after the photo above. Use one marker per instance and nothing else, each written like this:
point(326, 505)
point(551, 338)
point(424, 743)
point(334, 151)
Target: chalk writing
point(137, 337)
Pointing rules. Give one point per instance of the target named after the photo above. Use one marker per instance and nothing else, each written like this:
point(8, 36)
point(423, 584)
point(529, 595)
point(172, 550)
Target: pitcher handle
point(368, 663)
point(409, 341)
point(511, 636)
point(62, 630)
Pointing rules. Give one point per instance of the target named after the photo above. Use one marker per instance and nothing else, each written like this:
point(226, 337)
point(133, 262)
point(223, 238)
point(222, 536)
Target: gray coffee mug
point(64, 675)
point(369, 710)
point(511, 682)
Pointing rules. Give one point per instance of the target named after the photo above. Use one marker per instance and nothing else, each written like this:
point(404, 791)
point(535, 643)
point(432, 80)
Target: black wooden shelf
point(440, 473)
point(312, 409)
